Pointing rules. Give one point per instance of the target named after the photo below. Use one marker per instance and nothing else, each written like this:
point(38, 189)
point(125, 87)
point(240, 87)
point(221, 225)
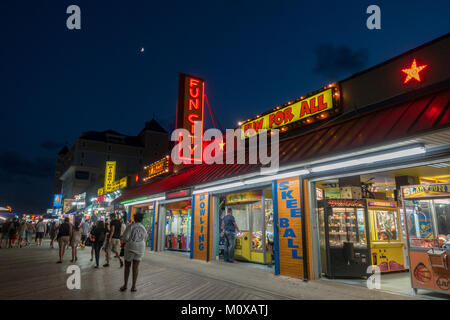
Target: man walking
point(84, 233)
point(114, 240)
point(40, 231)
point(64, 236)
point(230, 228)
point(134, 238)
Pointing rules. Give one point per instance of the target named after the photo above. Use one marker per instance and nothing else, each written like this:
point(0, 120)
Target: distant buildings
point(82, 167)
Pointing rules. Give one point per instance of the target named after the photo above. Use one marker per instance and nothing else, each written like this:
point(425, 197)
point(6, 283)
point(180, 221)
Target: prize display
point(254, 242)
point(345, 228)
point(386, 244)
point(426, 210)
point(178, 229)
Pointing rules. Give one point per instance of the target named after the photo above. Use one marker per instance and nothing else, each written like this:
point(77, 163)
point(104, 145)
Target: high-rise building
point(82, 167)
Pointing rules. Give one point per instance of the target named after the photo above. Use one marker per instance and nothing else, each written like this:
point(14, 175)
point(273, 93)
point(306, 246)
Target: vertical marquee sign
point(290, 228)
point(189, 111)
point(110, 175)
point(200, 219)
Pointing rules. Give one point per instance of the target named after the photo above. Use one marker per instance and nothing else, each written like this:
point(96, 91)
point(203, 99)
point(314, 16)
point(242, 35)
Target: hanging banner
point(290, 231)
point(200, 238)
point(110, 175)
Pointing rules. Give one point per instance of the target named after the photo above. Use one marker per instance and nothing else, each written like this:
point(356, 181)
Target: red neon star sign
point(413, 72)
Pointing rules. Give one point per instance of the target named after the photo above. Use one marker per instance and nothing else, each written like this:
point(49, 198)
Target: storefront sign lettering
point(421, 191)
point(290, 227)
point(346, 203)
point(297, 111)
point(157, 168)
point(201, 213)
point(189, 112)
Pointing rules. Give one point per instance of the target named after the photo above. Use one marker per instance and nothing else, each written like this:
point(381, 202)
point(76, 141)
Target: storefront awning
point(391, 123)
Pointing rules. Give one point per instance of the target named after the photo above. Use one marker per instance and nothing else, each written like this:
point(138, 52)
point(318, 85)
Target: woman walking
point(75, 239)
point(98, 234)
point(134, 237)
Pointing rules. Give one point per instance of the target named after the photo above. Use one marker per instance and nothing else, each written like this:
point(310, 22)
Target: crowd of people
point(112, 236)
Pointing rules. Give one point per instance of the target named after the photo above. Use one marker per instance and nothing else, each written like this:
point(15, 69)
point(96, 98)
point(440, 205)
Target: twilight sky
point(57, 83)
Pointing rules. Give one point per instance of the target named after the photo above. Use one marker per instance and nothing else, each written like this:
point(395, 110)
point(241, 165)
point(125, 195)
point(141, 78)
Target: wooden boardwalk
point(32, 273)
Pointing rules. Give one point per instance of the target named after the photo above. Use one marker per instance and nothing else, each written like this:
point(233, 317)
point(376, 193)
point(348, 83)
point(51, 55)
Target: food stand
point(427, 215)
point(386, 244)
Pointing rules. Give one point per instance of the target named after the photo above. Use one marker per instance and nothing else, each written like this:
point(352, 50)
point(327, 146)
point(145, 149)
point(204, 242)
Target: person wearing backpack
point(64, 236)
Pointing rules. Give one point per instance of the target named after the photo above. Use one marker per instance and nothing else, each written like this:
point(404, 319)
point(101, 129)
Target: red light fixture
point(413, 72)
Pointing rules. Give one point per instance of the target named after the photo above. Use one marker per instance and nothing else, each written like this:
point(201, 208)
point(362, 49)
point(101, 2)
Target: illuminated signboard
point(301, 111)
point(57, 201)
point(427, 190)
point(179, 194)
point(189, 111)
point(157, 168)
point(381, 204)
point(346, 203)
point(290, 228)
point(7, 209)
point(110, 175)
point(200, 227)
point(110, 183)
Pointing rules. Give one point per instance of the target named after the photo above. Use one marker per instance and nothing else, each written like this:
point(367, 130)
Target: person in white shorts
point(134, 238)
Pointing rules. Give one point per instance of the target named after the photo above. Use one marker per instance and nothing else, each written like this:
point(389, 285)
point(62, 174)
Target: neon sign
point(413, 72)
point(157, 168)
point(304, 110)
point(190, 111)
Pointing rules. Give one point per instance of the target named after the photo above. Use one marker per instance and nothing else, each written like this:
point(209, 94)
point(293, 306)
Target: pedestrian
point(84, 233)
point(64, 235)
point(134, 238)
point(114, 240)
point(98, 234)
point(12, 232)
point(123, 227)
point(22, 233)
point(29, 232)
point(75, 238)
point(230, 228)
point(52, 233)
point(92, 239)
point(40, 231)
point(106, 236)
point(5, 233)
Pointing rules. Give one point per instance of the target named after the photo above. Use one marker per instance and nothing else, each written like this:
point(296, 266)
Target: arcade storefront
point(339, 203)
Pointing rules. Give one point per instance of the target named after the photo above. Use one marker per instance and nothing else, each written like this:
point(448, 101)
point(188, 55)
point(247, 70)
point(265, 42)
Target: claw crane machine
point(426, 210)
point(386, 246)
point(251, 213)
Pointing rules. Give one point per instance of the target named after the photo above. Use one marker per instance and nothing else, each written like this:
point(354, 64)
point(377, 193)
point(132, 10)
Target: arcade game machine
point(427, 215)
point(386, 244)
point(346, 238)
point(178, 229)
point(248, 213)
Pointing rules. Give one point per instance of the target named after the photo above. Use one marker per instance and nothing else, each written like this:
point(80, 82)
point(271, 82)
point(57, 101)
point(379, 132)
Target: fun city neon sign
point(189, 113)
